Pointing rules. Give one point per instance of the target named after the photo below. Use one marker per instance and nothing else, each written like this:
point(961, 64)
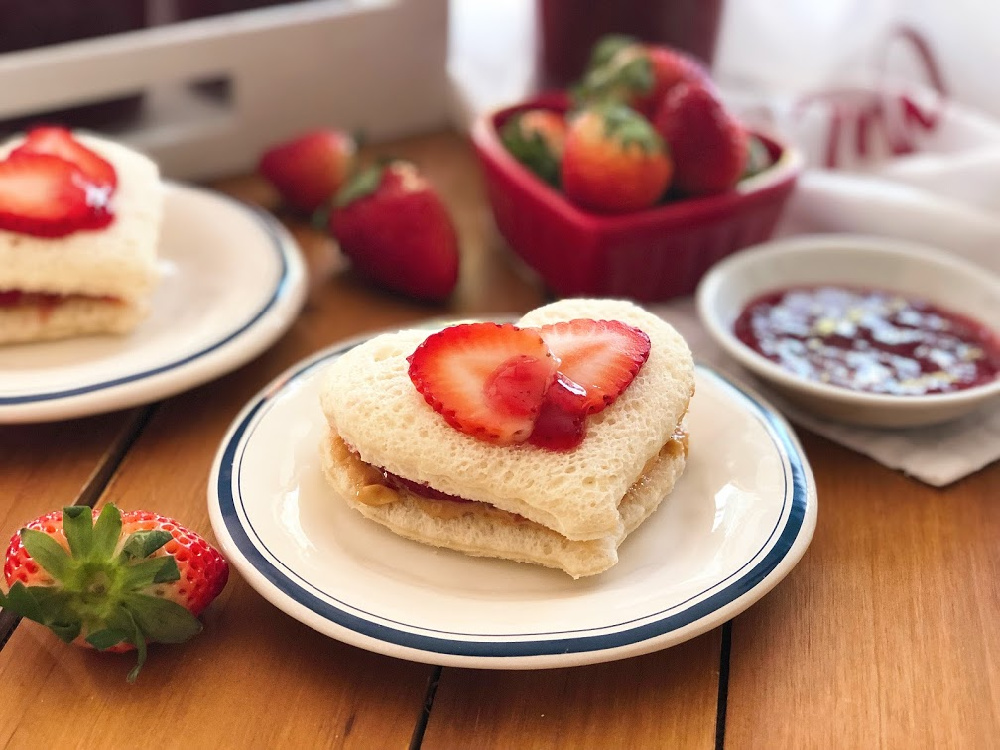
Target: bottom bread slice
point(481, 530)
point(72, 316)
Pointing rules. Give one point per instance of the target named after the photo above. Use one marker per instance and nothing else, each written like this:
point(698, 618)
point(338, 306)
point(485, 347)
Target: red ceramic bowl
point(649, 255)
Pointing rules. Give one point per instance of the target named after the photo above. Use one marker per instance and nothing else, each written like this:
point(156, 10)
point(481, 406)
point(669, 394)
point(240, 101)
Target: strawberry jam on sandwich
point(561, 433)
point(79, 219)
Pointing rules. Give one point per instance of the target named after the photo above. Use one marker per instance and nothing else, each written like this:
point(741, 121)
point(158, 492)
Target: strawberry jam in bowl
point(862, 330)
point(870, 340)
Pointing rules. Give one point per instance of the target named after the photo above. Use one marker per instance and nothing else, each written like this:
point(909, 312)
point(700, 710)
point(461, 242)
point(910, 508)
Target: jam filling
point(677, 444)
point(418, 488)
point(870, 340)
point(11, 298)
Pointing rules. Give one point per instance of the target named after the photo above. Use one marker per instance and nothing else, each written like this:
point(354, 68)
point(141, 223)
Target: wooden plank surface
point(48, 466)
point(883, 636)
point(254, 677)
point(886, 633)
point(666, 699)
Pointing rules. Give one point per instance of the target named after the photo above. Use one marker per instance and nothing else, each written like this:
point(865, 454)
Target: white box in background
point(377, 66)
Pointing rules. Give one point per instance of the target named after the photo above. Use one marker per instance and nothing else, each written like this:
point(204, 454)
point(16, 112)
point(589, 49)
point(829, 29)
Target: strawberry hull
point(649, 255)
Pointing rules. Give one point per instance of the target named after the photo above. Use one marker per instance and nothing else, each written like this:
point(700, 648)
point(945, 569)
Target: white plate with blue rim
point(737, 522)
point(233, 281)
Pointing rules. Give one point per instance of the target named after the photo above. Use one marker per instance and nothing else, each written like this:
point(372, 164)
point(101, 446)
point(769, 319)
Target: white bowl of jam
point(863, 330)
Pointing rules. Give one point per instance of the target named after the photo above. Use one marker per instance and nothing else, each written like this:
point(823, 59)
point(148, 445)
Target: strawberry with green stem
point(536, 138)
point(614, 161)
point(708, 144)
point(114, 584)
point(624, 70)
point(392, 224)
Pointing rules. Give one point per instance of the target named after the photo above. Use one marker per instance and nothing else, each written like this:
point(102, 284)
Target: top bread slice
point(117, 261)
point(369, 400)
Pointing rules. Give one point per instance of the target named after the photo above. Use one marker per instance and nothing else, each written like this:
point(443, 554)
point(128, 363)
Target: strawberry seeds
point(52, 185)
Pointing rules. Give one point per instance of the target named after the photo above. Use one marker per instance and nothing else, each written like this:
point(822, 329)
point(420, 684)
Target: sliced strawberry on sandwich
point(44, 195)
point(60, 142)
point(486, 380)
point(599, 358)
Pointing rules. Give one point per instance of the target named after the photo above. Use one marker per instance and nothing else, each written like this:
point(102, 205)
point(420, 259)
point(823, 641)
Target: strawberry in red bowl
point(651, 254)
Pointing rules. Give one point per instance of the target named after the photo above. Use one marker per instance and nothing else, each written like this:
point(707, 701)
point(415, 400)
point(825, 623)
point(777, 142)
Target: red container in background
point(567, 30)
point(648, 255)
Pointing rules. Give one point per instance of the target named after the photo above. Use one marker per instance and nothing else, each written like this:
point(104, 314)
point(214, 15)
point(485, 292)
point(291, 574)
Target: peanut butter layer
point(372, 486)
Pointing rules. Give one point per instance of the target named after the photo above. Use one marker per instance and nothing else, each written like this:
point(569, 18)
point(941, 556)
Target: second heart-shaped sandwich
point(547, 441)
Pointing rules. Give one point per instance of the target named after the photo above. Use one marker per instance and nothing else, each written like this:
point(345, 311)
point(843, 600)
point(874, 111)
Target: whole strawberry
point(394, 227)
point(709, 145)
point(116, 584)
point(536, 138)
point(309, 170)
point(639, 75)
point(614, 161)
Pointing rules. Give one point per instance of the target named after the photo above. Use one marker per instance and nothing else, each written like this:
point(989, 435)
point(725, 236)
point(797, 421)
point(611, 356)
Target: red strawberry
point(536, 138)
point(487, 380)
point(60, 142)
point(46, 196)
point(394, 227)
point(114, 584)
point(599, 358)
point(709, 146)
point(614, 161)
point(309, 170)
point(639, 75)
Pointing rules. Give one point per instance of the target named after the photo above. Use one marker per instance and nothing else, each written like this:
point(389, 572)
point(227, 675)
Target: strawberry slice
point(60, 142)
point(486, 380)
point(599, 358)
point(45, 196)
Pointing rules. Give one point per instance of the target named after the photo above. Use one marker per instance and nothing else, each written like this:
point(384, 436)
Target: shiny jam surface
point(870, 340)
point(418, 488)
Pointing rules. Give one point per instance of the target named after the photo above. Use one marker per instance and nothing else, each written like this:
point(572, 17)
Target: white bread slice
point(117, 261)
point(369, 400)
point(75, 316)
point(481, 531)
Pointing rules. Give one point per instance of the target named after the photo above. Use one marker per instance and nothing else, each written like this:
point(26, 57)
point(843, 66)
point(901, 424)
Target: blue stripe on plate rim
point(271, 229)
point(794, 508)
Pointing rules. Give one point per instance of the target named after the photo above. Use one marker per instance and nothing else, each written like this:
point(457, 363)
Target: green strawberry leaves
point(78, 525)
point(606, 48)
point(628, 128)
point(614, 78)
point(144, 543)
point(47, 552)
point(162, 621)
point(107, 531)
point(363, 183)
point(532, 150)
point(99, 591)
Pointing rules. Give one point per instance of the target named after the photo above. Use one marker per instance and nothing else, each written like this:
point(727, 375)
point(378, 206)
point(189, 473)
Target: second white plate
point(233, 282)
point(739, 519)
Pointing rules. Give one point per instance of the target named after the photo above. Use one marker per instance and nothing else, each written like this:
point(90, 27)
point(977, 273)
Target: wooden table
point(885, 635)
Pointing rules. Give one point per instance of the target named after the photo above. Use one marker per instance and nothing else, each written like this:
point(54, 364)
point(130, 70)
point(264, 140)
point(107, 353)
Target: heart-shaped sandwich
point(546, 441)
